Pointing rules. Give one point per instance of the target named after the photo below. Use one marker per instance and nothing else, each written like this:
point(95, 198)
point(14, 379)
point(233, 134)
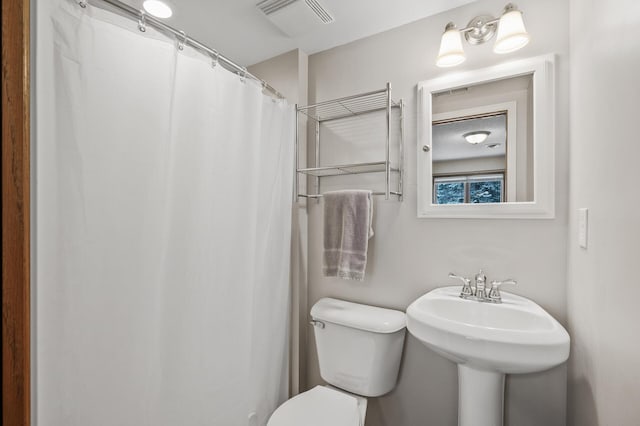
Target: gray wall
point(603, 291)
point(410, 256)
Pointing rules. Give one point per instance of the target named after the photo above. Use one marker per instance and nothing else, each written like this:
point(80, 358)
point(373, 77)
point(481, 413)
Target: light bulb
point(451, 51)
point(476, 137)
point(511, 32)
point(157, 8)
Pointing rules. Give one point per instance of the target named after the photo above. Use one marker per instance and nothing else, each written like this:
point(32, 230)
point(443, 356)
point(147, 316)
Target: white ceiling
point(448, 141)
point(450, 144)
point(237, 29)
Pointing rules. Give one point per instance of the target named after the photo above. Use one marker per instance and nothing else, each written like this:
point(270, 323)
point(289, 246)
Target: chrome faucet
point(478, 291)
point(466, 291)
point(481, 286)
point(494, 293)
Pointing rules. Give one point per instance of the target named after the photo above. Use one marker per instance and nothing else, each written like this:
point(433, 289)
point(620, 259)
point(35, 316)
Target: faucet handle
point(494, 293)
point(466, 291)
point(481, 285)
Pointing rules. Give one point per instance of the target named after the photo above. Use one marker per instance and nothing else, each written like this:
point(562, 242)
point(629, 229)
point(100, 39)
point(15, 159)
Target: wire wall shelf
point(347, 169)
point(348, 107)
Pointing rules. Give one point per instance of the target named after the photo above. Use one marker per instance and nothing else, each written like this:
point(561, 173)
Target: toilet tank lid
point(355, 315)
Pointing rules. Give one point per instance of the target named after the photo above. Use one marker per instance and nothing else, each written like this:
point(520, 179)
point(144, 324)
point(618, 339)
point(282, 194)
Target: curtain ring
point(142, 22)
point(243, 74)
point(214, 59)
point(82, 3)
point(182, 42)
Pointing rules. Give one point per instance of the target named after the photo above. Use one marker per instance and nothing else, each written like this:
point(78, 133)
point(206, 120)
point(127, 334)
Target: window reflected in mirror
point(482, 188)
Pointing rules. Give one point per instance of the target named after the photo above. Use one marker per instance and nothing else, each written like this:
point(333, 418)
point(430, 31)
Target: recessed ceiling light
point(476, 137)
point(157, 8)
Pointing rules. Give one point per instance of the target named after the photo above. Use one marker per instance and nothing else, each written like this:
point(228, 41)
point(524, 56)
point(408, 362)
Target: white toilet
point(359, 351)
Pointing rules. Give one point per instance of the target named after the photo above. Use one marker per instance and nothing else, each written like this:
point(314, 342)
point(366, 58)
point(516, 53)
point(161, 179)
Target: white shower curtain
point(163, 231)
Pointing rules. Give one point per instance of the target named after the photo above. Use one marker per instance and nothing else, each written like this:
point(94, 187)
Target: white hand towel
point(348, 225)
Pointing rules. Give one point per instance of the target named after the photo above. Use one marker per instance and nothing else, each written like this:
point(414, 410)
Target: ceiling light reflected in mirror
point(477, 136)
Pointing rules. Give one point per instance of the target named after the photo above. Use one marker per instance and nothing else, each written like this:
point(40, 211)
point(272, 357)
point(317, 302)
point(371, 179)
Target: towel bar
point(373, 193)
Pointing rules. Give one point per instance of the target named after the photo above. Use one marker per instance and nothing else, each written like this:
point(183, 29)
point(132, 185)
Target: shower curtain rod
point(145, 18)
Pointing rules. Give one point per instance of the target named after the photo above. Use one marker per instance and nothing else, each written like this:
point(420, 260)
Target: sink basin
point(487, 341)
point(516, 336)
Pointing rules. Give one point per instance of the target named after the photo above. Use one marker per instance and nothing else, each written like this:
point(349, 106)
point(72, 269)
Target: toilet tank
point(359, 346)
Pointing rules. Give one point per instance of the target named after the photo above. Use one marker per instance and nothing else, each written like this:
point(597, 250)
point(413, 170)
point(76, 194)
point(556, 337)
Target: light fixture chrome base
point(480, 29)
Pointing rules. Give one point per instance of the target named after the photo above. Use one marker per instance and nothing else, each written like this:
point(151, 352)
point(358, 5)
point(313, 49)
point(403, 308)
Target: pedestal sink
point(487, 341)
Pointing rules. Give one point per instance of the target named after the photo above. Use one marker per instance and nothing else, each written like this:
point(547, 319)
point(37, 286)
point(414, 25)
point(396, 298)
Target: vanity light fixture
point(451, 51)
point(512, 35)
point(157, 8)
point(477, 136)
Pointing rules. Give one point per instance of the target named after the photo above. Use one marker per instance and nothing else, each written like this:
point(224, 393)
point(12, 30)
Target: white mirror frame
point(543, 204)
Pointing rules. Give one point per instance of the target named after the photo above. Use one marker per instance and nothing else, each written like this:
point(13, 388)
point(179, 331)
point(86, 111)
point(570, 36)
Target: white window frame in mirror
point(543, 205)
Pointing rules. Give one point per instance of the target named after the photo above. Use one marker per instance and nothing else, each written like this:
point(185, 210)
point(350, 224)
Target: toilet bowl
point(321, 406)
point(359, 350)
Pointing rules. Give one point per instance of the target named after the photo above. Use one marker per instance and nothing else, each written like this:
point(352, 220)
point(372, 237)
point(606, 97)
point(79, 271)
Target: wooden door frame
point(15, 213)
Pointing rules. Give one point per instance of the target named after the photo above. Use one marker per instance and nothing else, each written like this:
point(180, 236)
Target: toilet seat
point(320, 406)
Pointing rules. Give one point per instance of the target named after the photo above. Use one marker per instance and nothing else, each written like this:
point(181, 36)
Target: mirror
point(482, 149)
point(486, 142)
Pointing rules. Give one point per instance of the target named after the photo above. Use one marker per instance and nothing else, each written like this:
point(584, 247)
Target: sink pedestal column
point(480, 397)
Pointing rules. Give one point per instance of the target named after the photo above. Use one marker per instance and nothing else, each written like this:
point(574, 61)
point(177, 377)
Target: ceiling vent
point(295, 17)
point(450, 92)
point(320, 11)
point(272, 6)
